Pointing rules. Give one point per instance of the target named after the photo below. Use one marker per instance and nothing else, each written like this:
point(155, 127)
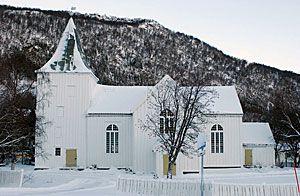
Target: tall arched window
point(217, 139)
point(112, 139)
point(166, 121)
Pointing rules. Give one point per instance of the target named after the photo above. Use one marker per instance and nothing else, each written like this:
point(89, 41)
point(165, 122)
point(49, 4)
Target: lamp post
point(201, 144)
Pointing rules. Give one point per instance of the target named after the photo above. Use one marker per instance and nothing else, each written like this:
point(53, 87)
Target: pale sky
point(262, 31)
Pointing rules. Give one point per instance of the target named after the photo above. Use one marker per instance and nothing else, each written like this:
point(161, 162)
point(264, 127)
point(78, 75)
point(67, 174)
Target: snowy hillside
point(140, 52)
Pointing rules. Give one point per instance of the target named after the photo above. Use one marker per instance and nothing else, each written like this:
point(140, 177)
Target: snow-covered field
point(97, 182)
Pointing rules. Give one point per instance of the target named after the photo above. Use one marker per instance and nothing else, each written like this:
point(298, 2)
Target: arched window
point(112, 139)
point(166, 121)
point(217, 139)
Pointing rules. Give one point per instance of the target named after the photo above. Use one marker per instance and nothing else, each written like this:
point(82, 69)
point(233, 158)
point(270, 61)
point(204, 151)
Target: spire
point(68, 55)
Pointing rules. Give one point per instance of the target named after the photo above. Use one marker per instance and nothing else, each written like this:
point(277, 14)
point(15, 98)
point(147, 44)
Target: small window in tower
point(60, 111)
point(57, 151)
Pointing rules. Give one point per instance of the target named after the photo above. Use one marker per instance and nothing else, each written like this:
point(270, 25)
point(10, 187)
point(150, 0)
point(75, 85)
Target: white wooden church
point(95, 124)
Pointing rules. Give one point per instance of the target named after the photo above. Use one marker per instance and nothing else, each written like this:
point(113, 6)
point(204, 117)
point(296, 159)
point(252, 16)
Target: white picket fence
point(11, 178)
point(177, 187)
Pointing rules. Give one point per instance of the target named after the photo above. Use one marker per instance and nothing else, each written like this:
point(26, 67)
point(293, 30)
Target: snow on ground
point(98, 182)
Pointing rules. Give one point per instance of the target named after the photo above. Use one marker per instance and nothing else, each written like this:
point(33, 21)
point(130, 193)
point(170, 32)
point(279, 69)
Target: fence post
point(21, 178)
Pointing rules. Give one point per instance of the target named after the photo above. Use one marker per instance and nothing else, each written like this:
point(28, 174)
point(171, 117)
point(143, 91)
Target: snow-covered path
point(95, 182)
point(61, 182)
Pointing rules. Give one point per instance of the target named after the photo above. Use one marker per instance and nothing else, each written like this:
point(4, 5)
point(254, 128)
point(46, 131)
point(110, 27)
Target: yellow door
point(165, 165)
point(71, 157)
point(248, 156)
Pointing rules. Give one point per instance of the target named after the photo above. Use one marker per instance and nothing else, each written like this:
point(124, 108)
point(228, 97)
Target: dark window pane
point(57, 151)
point(220, 128)
point(115, 128)
point(217, 142)
point(221, 143)
point(112, 142)
point(161, 124)
point(212, 142)
point(214, 128)
point(116, 142)
point(167, 125)
point(172, 128)
point(107, 142)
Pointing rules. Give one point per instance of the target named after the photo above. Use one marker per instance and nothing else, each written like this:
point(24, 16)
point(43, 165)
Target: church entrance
point(71, 157)
point(248, 157)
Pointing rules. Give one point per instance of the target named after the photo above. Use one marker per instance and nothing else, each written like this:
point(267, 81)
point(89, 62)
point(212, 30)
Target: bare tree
point(284, 118)
point(175, 116)
point(18, 121)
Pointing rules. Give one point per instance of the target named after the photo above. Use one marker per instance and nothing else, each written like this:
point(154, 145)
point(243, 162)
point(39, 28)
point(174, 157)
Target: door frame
point(75, 158)
point(248, 160)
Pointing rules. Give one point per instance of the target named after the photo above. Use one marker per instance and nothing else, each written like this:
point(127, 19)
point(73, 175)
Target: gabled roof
point(125, 99)
point(117, 99)
point(166, 80)
point(256, 133)
point(225, 100)
point(68, 56)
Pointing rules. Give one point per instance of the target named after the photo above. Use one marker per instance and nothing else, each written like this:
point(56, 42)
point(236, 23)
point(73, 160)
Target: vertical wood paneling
point(73, 123)
point(136, 148)
point(96, 141)
point(144, 155)
point(232, 146)
point(263, 156)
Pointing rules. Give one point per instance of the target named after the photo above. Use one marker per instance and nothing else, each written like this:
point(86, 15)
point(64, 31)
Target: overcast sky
point(263, 31)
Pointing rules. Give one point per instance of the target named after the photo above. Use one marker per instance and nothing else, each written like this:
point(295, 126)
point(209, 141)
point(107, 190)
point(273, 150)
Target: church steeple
point(68, 56)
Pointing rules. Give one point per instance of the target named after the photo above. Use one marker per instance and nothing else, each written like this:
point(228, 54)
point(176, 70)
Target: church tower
point(64, 90)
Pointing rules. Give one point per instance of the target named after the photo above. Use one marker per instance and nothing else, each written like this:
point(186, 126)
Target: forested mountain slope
point(140, 51)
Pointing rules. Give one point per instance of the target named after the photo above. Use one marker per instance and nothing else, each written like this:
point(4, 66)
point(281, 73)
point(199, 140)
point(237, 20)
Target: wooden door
point(71, 157)
point(248, 157)
point(165, 165)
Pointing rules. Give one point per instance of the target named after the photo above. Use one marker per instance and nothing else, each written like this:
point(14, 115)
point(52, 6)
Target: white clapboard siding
point(144, 155)
point(96, 140)
point(262, 156)
point(232, 147)
point(65, 107)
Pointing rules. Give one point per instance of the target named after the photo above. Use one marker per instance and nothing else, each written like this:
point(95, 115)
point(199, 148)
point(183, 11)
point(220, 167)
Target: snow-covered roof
point(225, 100)
point(117, 99)
point(68, 54)
point(124, 99)
point(256, 133)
